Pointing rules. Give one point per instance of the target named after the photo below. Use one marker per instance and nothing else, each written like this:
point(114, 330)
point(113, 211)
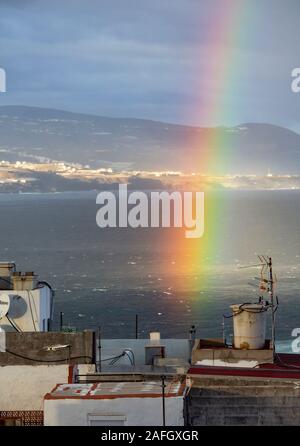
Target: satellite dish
point(4, 305)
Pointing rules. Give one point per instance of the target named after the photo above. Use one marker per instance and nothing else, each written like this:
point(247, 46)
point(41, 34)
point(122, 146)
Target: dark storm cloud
point(150, 58)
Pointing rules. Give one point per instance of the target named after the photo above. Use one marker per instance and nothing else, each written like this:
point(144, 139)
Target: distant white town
point(56, 175)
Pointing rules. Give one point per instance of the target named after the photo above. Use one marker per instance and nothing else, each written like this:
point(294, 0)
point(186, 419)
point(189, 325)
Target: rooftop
point(110, 390)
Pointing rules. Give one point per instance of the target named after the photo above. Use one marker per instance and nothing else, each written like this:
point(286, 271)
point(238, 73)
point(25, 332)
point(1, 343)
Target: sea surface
point(104, 277)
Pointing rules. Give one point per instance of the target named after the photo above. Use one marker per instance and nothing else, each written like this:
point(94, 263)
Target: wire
point(42, 283)
point(33, 301)
point(132, 359)
point(109, 359)
point(115, 359)
point(241, 309)
point(263, 308)
point(129, 357)
point(34, 305)
point(285, 364)
point(46, 360)
point(32, 318)
point(13, 324)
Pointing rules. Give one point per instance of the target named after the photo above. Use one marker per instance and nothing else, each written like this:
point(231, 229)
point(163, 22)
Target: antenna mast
point(271, 292)
point(266, 262)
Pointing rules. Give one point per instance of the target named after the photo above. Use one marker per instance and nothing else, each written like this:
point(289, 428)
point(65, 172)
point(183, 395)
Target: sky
point(197, 62)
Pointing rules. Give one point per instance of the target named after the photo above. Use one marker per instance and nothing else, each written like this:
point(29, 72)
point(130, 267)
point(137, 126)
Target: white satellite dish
point(4, 305)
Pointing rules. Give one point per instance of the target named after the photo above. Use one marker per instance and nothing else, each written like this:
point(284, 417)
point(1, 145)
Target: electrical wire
point(285, 364)
point(30, 307)
point(132, 358)
point(34, 305)
point(115, 359)
point(46, 360)
point(42, 283)
point(241, 308)
point(13, 324)
point(33, 301)
point(129, 357)
point(110, 359)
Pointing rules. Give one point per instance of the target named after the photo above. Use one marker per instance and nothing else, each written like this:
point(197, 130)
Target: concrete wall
point(31, 348)
point(138, 411)
point(237, 401)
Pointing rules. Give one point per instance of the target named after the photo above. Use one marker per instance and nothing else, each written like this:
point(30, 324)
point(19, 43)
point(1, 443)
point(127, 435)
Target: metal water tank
point(249, 326)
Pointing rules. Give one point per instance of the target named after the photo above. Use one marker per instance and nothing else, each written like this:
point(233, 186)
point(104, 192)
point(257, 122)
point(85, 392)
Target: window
point(106, 420)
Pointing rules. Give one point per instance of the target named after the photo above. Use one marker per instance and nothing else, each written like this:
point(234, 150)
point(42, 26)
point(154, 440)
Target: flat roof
point(110, 390)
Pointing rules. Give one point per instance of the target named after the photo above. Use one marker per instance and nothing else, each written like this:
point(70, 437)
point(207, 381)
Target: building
point(33, 363)
point(114, 404)
point(267, 395)
point(26, 304)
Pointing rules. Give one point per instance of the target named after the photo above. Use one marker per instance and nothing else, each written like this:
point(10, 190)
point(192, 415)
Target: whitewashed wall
point(138, 411)
point(23, 387)
point(177, 348)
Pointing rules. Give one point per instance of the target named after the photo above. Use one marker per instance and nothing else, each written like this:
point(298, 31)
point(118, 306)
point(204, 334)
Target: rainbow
point(219, 73)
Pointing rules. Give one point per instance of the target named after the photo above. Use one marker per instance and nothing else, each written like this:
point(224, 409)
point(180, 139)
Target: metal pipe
point(163, 399)
point(61, 321)
point(271, 292)
point(136, 326)
point(99, 350)
point(69, 354)
point(192, 338)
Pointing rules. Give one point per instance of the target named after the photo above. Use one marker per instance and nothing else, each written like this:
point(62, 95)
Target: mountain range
point(41, 135)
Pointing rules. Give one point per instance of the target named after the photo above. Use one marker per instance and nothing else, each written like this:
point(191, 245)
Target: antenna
point(4, 305)
point(267, 285)
point(271, 292)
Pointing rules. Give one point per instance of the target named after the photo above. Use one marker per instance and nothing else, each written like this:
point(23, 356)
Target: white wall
point(177, 348)
point(27, 309)
point(138, 411)
point(23, 387)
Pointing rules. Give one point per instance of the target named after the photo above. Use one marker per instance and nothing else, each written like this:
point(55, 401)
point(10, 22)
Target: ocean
point(104, 277)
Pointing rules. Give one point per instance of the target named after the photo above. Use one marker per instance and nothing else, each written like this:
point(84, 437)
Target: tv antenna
point(267, 285)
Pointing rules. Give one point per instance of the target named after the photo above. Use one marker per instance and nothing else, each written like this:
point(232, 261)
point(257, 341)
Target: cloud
point(159, 59)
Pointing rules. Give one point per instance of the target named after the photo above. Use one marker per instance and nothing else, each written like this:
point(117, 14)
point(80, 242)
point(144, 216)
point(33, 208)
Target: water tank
point(249, 326)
